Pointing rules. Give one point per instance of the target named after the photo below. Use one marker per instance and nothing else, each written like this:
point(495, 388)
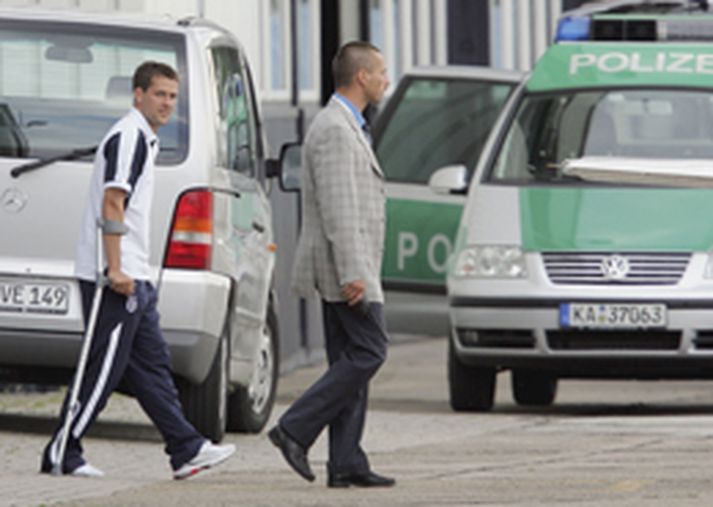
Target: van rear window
point(63, 85)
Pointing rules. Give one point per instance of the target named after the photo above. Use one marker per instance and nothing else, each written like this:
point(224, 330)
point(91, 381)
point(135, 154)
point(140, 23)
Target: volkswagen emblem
point(614, 267)
point(13, 200)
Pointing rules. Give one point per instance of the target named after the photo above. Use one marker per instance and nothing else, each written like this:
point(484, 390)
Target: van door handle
point(258, 227)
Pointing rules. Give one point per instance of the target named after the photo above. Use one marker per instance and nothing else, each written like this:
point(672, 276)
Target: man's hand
point(353, 291)
point(120, 282)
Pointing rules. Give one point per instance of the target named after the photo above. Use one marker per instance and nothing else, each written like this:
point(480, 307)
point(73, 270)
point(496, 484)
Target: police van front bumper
point(529, 333)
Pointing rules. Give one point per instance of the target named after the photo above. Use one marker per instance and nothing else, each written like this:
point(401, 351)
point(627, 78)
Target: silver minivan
point(64, 80)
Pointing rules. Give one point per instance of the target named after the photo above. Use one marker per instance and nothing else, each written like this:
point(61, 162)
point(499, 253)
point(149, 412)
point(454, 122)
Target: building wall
point(509, 34)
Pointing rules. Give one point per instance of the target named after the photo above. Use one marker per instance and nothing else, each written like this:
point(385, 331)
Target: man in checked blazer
point(339, 254)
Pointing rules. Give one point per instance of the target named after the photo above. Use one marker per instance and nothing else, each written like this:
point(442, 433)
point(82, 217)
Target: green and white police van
point(437, 116)
point(568, 261)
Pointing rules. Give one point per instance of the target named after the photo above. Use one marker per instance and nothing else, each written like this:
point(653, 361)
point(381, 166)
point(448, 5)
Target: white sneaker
point(86, 470)
point(208, 456)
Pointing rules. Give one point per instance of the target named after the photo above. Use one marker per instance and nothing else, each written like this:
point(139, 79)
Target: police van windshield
point(640, 123)
point(63, 85)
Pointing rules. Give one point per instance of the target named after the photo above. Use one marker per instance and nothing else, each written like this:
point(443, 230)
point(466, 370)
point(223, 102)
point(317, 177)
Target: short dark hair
point(350, 59)
point(145, 73)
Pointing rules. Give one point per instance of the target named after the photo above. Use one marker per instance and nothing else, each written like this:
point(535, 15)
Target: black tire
point(531, 388)
point(205, 404)
point(472, 388)
point(249, 407)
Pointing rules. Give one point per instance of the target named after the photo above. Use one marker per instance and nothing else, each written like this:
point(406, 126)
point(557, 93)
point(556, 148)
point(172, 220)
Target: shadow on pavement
point(607, 410)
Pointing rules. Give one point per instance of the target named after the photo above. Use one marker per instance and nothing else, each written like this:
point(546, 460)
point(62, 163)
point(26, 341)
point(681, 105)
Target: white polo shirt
point(125, 159)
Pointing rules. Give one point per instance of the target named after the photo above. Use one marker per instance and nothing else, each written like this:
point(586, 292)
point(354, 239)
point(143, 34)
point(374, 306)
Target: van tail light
point(191, 236)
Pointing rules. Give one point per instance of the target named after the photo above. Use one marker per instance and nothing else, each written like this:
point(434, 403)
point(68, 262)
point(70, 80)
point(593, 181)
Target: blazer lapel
point(376, 167)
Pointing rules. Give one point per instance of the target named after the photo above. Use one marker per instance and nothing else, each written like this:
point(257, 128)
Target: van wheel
point(472, 388)
point(533, 388)
point(205, 404)
point(249, 407)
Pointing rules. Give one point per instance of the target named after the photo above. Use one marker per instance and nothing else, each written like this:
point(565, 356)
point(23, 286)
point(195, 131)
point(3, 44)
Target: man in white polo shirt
point(128, 347)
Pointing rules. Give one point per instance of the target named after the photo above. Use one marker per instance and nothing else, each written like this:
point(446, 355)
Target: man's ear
point(138, 95)
point(361, 76)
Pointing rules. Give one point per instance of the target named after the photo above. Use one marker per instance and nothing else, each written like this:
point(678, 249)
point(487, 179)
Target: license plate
point(613, 315)
point(34, 297)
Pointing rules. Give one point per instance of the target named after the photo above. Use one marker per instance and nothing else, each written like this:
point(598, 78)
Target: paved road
point(604, 443)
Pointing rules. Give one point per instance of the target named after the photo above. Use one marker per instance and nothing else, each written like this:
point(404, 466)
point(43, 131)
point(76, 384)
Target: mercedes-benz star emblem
point(13, 200)
point(614, 267)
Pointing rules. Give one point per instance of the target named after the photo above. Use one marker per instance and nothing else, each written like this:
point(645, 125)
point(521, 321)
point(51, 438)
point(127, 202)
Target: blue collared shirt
point(357, 114)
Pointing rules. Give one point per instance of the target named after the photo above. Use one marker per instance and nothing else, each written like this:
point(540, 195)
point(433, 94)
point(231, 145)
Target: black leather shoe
point(365, 480)
point(294, 453)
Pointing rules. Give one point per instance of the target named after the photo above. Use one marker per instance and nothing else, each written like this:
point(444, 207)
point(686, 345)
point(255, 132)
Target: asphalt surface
point(601, 444)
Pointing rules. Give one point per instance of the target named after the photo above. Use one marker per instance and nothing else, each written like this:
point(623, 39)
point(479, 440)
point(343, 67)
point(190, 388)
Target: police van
point(437, 116)
point(585, 249)
point(64, 80)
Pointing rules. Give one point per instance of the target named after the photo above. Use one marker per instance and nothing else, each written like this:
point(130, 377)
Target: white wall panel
point(57, 4)
point(405, 22)
point(555, 11)
point(423, 35)
point(95, 5)
point(18, 3)
point(525, 34)
point(441, 31)
point(348, 20)
point(131, 5)
point(540, 31)
point(175, 8)
point(507, 33)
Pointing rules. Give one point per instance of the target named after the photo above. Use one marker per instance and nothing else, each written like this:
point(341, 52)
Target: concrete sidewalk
point(621, 444)
point(124, 444)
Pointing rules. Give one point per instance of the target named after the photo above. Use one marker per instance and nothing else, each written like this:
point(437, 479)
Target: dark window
point(436, 122)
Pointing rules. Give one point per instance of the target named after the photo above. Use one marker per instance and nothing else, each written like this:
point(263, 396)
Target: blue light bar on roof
point(573, 28)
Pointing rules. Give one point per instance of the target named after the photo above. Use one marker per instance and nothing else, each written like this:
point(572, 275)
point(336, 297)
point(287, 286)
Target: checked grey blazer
point(342, 236)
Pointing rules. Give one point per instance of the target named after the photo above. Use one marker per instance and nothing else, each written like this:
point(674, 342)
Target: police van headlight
point(490, 262)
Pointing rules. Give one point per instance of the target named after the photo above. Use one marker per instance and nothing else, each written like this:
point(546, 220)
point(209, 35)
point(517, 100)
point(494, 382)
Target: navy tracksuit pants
point(356, 348)
point(128, 349)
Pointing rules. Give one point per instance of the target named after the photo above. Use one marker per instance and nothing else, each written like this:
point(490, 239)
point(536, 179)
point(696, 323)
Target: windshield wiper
point(43, 162)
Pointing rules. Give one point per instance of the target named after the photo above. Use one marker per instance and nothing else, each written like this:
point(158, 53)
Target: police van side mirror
point(451, 179)
point(288, 168)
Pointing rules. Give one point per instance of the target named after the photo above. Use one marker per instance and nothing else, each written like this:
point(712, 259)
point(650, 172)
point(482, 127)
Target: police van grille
point(644, 268)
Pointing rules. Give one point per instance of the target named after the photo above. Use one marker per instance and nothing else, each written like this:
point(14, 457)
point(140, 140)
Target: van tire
point(205, 404)
point(531, 388)
point(472, 388)
point(245, 413)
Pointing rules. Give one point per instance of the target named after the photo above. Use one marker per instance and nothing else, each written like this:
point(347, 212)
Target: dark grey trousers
point(356, 348)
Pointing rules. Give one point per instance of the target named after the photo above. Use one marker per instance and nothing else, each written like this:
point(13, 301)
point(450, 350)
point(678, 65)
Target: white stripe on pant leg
point(54, 448)
point(88, 409)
